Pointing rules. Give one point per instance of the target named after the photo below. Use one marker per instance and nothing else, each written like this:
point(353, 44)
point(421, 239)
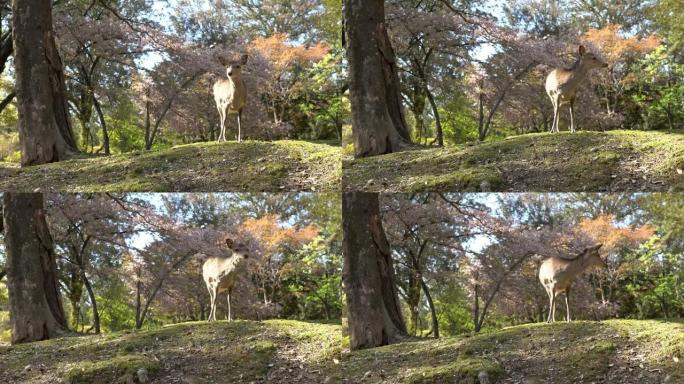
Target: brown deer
point(557, 275)
point(561, 84)
point(230, 95)
point(219, 274)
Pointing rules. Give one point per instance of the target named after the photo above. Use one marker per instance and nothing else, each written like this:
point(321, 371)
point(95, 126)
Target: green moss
point(117, 369)
point(248, 166)
point(467, 180)
point(565, 162)
point(464, 371)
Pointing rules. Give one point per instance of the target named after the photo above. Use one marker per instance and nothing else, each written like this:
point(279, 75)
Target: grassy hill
point(249, 166)
point(565, 162)
point(280, 351)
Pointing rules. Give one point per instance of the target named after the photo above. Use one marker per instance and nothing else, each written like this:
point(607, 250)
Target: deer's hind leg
point(549, 292)
point(554, 102)
point(558, 104)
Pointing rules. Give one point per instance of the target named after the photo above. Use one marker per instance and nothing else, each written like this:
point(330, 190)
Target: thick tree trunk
point(36, 311)
point(44, 129)
point(378, 124)
point(374, 313)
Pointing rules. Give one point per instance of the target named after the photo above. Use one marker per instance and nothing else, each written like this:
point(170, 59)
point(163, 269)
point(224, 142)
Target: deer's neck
point(230, 263)
point(578, 73)
point(577, 266)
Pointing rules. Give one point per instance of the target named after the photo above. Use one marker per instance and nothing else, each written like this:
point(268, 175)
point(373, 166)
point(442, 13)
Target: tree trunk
point(6, 101)
point(44, 129)
point(6, 48)
point(36, 311)
point(378, 124)
point(93, 302)
point(438, 120)
point(75, 292)
point(103, 123)
point(374, 313)
point(433, 311)
point(413, 301)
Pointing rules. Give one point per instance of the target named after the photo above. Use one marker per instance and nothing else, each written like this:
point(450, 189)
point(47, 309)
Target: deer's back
point(552, 268)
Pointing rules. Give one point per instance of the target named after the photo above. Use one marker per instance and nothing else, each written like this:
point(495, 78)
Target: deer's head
point(589, 60)
point(239, 249)
point(234, 68)
point(592, 257)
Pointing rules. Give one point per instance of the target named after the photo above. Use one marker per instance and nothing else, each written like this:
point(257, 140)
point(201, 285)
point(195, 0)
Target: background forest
point(473, 70)
point(131, 261)
point(471, 260)
point(139, 73)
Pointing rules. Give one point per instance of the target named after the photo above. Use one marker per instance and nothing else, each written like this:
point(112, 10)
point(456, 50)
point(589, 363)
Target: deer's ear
point(229, 243)
point(244, 59)
point(582, 50)
point(598, 246)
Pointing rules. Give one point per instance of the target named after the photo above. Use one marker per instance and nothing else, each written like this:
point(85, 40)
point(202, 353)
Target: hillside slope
point(565, 162)
point(286, 165)
point(283, 351)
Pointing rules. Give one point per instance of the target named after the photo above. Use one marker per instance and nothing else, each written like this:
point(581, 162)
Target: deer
point(220, 274)
point(562, 84)
point(557, 275)
point(230, 95)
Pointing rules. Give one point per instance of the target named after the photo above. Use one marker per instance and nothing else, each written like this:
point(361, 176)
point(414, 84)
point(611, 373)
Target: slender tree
point(36, 311)
point(373, 309)
point(44, 128)
point(378, 123)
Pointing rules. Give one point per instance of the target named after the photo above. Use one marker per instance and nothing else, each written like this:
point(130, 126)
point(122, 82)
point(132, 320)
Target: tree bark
point(5, 102)
point(433, 310)
point(6, 48)
point(378, 124)
point(45, 132)
point(438, 120)
point(36, 311)
point(373, 309)
point(93, 302)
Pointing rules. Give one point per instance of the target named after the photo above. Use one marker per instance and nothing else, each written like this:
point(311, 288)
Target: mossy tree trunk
point(45, 132)
point(378, 124)
point(373, 310)
point(36, 311)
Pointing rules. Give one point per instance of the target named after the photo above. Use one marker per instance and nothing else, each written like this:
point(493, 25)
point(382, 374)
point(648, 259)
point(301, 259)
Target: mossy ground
point(200, 352)
point(584, 161)
point(284, 351)
point(286, 165)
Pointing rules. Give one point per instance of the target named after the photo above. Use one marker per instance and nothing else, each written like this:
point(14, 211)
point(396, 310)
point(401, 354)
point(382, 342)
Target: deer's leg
point(572, 120)
point(239, 118)
point(553, 307)
point(211, 301)
point(556, 114)
point(212, 297)
point(230, 318)
point(220, 111)
point(550, 294)
point(567, 304)
point(224, 115)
